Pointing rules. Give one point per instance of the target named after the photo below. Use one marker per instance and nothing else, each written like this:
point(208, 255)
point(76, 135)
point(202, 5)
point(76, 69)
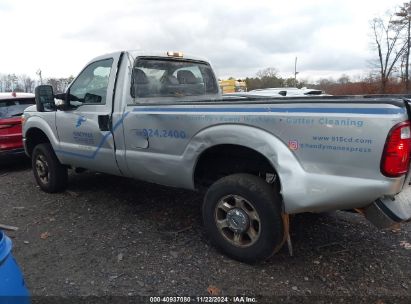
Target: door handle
point(104, 122)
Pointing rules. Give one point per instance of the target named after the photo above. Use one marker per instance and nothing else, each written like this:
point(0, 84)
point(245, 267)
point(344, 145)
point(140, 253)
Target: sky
point(329, 37)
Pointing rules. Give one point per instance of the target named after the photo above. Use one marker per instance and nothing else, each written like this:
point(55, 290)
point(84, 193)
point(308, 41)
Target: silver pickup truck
point(160, 117)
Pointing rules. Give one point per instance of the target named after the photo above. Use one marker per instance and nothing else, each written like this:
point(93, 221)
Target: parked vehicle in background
point(289, 92)
point(161, 118)
point(12, 286)
point(12, 106)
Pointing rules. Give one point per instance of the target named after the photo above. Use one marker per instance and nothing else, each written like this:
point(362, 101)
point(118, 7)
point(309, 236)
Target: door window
point(90, 87)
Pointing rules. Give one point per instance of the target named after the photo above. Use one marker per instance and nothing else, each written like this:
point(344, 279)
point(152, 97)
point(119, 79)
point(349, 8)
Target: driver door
point(86, 140)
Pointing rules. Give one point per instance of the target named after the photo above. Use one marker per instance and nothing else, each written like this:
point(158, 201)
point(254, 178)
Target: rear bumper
point(386, 212)
point(11, 140)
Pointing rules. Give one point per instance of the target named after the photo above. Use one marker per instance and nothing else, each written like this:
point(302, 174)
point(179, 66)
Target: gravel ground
point(111, 236)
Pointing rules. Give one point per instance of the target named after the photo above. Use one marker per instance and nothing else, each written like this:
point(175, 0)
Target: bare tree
point(268, 72)
point(389, 45)
point(59, 84)
point(404, 18)
point(344, 79)
point(8, 82)
point(54, 82)
point(27, 83)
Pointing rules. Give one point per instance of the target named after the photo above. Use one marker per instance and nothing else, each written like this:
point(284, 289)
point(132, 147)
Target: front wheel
point(242, 215)
point(49, 173)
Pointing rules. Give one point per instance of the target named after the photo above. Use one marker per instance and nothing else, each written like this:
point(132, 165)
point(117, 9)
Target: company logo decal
point(80, 120)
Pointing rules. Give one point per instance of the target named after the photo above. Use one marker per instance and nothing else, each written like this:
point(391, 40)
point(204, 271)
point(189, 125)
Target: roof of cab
point(138, 53)
point(11, 95)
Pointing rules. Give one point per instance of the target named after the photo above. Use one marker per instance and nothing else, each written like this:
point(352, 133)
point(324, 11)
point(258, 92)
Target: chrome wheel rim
point(42, 169)
point(237, 220)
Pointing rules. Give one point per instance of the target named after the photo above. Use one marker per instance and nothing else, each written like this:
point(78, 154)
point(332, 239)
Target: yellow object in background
point(232, 86)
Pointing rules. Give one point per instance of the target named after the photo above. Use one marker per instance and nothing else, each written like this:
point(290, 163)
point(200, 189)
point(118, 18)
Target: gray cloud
point(5, 6)
point(244, 37)
point(331, 59)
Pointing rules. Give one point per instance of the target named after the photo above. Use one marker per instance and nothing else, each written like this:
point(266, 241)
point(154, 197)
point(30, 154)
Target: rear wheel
point(49, 173)
point(242, 215)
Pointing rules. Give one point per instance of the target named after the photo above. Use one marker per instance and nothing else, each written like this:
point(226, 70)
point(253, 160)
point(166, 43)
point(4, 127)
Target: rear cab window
point(14, 107)
point(163, 79)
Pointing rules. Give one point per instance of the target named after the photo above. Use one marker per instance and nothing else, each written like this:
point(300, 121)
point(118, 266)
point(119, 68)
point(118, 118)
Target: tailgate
point(387, 211)
point(408, 178)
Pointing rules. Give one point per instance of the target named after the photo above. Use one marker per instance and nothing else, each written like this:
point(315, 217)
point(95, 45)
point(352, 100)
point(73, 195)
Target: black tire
point(49, 173)
point(261, 204)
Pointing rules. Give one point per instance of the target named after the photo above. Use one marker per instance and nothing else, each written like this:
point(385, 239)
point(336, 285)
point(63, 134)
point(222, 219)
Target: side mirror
point(44, 98)
point(62, 102)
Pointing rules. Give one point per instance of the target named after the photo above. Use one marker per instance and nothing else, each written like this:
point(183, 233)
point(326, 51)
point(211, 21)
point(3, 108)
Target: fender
point(46, 124)
point(302, 191)
point(276, 151)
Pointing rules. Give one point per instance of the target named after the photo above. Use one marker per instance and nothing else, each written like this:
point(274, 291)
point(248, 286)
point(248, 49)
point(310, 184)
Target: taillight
point(395, 160)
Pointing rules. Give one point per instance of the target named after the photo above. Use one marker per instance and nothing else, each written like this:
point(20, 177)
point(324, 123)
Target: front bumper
point(25, 147)
point(386, 212)
point(19, 151)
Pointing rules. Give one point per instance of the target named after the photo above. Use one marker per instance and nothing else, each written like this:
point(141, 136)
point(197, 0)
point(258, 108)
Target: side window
point(90, 87)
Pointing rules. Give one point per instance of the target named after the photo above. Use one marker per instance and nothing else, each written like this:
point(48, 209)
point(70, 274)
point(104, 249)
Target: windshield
point(153, 77)
point(14, 107)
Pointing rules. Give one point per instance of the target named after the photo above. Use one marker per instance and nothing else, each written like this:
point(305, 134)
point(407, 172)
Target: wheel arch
point(225, 159)
point(266, 146)
point(34, 136)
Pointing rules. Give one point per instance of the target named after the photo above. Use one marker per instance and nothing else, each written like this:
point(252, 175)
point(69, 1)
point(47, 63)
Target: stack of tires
point(12, 286)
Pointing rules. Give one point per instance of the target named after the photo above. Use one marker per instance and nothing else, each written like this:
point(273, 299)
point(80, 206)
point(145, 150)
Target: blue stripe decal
point(375, 111)
point(100, 145)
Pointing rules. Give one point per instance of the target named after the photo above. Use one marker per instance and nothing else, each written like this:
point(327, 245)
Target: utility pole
point(295, 72)
point(39, 73)
point(13, 82)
